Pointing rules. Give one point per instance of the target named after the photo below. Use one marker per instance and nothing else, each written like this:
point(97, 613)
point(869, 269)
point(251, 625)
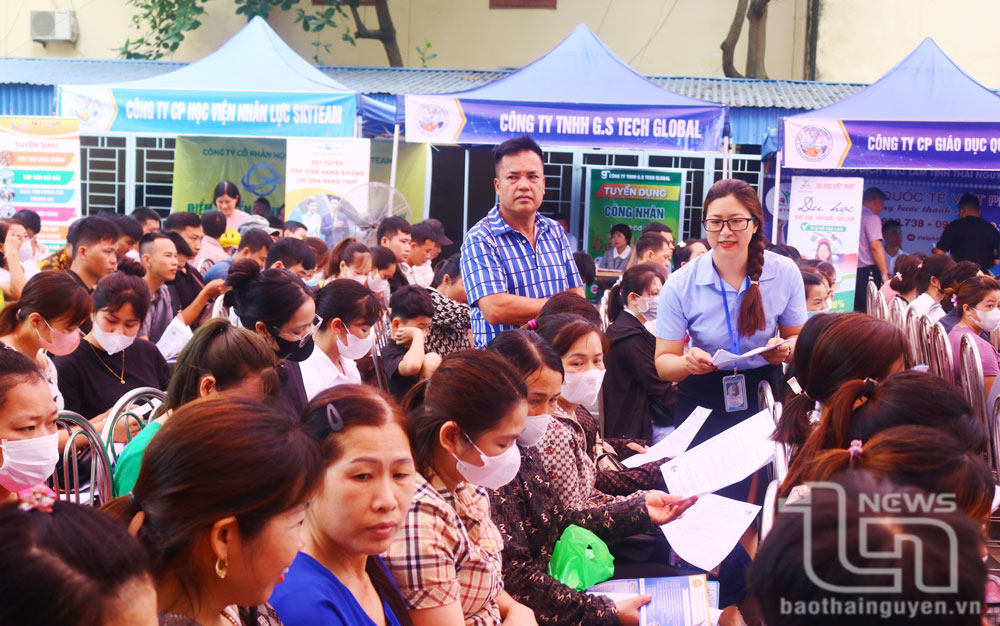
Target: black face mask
point(291, 350)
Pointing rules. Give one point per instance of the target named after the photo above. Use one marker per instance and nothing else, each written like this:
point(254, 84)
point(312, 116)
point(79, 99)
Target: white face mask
point(113, 343)
point(378, 284)
point(534, 430)
point(583, 387)
point(356, 347)
point(28, 462)
point(989, 320)
point(647, 306)
point(495, 472)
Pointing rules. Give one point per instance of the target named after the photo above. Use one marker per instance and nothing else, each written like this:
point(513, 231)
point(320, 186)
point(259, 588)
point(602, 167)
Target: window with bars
point(102, 174)
point(154, 172)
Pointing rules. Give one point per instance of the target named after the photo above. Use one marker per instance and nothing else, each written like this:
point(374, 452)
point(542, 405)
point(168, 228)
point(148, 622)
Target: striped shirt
point(498, 259)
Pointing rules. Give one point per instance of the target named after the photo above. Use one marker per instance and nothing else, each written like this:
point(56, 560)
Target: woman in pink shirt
point(227, 200)
point(977, 302)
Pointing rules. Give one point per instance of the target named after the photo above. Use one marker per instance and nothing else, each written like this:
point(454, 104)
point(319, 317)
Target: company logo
point(261, 179)
point(431, 118)
point(85, 109)
point(905, 510)
point(813, 143)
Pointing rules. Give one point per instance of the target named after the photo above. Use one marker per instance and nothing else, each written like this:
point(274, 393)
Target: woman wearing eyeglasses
point(277, 305)
point(736, 298)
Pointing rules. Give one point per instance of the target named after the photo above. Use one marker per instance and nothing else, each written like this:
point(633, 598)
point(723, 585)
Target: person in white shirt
point(930, 286)
point(427, 238)
point(892, 237)
point(348, 311)
point(618, 256)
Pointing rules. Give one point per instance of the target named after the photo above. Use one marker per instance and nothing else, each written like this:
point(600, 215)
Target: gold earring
point(221, 568)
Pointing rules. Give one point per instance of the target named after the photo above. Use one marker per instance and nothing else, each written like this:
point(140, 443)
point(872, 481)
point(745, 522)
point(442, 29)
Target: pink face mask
point(62, 343)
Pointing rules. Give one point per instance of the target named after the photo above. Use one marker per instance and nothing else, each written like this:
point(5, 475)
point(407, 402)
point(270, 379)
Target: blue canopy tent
point(579, 94)
point(253, 85)
point(924, 114)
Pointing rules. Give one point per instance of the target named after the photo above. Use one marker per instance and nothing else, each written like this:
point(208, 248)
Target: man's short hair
point(255, 239)
point(91, 230)
point(969, 201)
point(29, 219)
point(292, 225)
point(183, 247)
point(891, 224)
point(182, 220)
point(410, 302)
point(625, 230)
point(391, 226)
point(656, 227)
point(275, 222)
point(871, 194)
point(261, 206)
point(128, 227)
point(150, 238)
point(144, 213)
point(649, 242)
point(516, 145)
point(586, 266)
point(213, 222)
point(291, 252)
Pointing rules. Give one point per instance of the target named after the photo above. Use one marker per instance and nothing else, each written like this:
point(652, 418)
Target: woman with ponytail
point(338, 579)
point(634, 396)
point(953, 280)
point(931, 287)
point(850, 346)
point(904, 282)
point(736, 298)
point(860, 409)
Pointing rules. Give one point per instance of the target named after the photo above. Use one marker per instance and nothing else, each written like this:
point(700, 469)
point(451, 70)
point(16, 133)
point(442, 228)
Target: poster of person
point(318, 173)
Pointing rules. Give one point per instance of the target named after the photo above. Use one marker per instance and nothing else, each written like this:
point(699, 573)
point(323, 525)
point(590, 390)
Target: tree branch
point(386, 32)
point(757, 38)
point(729, 45)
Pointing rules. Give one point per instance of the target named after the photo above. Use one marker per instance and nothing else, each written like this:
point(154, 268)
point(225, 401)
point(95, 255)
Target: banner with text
point(257, 166)
point(103, 109)
point(824, 222)
point(320, 172)
point(816, 143)
point(40, 170)
point(444, 119)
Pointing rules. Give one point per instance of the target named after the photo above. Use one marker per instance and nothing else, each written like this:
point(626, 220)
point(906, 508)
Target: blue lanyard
point(733, 339)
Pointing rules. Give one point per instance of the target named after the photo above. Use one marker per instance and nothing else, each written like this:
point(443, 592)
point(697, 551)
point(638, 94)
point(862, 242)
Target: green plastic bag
point(580, 559)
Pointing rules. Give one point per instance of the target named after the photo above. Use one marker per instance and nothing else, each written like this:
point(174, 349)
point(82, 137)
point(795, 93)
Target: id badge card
point(734, 391)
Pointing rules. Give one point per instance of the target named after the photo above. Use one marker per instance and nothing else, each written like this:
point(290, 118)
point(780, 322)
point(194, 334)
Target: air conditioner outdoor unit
point(53, 26)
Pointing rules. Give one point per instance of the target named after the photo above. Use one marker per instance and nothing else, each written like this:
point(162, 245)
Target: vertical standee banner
point(40, 170)
point(634, 197)
point(319, 172)
point(257, 166)
point(824, 222)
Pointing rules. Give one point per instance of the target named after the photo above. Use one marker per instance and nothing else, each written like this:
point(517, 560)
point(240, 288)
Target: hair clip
point(134, 501)
point(532, 324)
point(38, 498)
point(869, 388)
point(898, 276)
point(855, 451)
point(333, 418)
point(755, 282)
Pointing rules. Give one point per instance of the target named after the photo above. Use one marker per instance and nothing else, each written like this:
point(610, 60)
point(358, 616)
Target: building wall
point(659, 37)
point(860, 40)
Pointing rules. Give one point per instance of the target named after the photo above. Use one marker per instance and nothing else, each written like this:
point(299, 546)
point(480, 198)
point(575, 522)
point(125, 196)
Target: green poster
point(633, 197)
point(257, 166)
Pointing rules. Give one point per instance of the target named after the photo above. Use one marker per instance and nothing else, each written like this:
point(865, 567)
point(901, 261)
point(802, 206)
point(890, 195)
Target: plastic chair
point(140, 402)
point(769, 508)
point(941, 360)
point(897, 313)
point(973, 385)
point(71, 489)
point(870, 296)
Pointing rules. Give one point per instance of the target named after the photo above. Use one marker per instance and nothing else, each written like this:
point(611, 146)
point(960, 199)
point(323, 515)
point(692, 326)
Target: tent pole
point(775, 218)
point(395, 154)
point(725, 157)
point(465, 196)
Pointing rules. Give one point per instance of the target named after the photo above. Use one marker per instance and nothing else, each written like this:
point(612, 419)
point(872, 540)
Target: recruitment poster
point(824, 222)
point(634, 197)
point(40, 170)
point(320, 172)
point(257, 166)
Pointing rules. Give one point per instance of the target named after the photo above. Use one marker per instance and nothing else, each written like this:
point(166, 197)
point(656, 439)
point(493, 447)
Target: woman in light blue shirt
point(763, 297)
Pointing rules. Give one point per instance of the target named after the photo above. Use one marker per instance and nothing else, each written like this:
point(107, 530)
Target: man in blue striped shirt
point(514, 259)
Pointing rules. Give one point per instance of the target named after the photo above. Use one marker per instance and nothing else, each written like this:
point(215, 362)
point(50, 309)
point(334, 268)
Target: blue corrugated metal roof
point(27, 99)
point(51, 71)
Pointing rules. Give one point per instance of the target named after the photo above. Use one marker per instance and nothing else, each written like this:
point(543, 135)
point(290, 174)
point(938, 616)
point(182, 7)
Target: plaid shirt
point(449, 551)
point(498, 259)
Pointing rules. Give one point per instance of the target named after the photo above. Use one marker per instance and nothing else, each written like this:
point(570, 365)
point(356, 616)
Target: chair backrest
point(881, 308)
point(141, 402)
point(995, 438)
point(941, 360)
point(971, 380)
point(135, 422)
point(602, 309)
point(204, 265)
point(380, 339)
point(97, 487)
point(765, 397)
point(769, 509)
point(219, 309)
point(897, 313)
point(870, 296)
point(925, 328)
point(912, 330)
